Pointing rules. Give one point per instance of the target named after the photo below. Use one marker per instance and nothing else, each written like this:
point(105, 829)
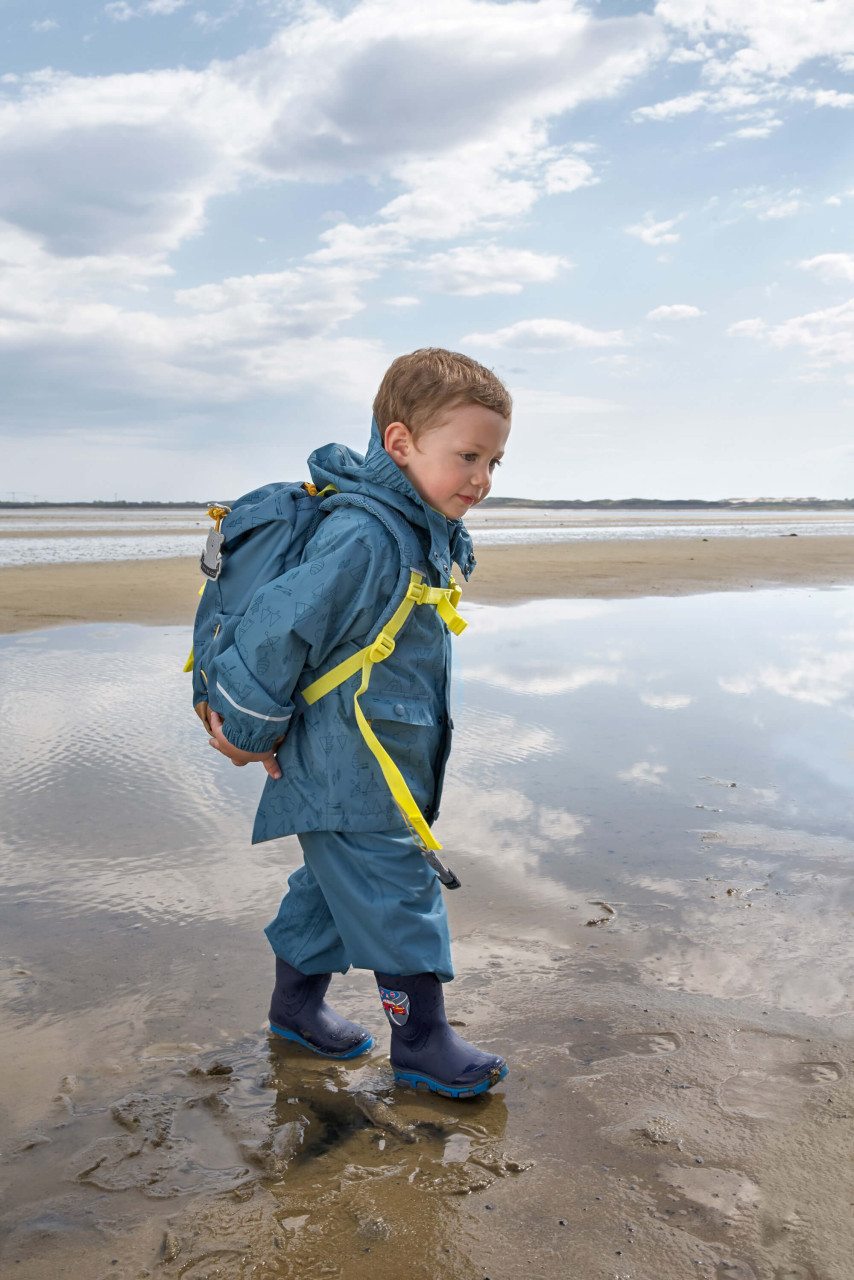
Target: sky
point(220, 220)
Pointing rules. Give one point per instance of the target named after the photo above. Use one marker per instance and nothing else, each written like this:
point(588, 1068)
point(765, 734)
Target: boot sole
point(360, 1048)
point(415, 1080)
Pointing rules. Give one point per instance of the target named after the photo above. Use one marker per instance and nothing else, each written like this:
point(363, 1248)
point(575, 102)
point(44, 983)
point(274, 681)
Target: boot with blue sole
point(426, 1052)
point(299, 1012)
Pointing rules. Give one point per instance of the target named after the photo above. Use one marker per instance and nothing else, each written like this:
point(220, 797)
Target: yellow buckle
point(381, 648)
point(456, 593)
point(417, 591)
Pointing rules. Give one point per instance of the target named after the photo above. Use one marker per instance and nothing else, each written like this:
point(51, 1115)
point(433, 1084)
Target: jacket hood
point(378, 476)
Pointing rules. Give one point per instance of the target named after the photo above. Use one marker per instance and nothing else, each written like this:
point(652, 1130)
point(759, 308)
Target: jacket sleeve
point(347, 575)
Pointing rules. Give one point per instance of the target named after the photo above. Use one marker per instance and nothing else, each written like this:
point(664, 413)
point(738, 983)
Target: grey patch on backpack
point(211, 561)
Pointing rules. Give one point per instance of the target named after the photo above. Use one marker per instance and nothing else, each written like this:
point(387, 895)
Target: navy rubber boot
point(299, 1012)
point(427, 1053)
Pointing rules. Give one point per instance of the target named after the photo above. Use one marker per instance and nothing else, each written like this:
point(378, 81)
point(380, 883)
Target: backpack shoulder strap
point(409, 548)
point(412, 590)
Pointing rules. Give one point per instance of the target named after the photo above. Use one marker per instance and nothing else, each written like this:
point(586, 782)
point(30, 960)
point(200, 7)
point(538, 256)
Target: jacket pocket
point(418, 741)
point(402, 710)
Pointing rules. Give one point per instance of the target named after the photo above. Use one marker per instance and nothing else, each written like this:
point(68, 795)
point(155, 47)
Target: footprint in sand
point(735, 1271)
point(642, 1044)
point(16, 981)
point(817, 1072)
point(794, 1272)
point(766, 1095)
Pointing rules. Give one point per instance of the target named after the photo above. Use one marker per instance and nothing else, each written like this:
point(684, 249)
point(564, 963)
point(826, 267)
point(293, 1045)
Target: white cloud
point(568, 173)
point(122, 11)
point(656, 233)
point(402, 300)
point(752, 328)
point(546, 684)
point(826, 336)
point(763, 130)
point(477, 156)
point(768, 39)
point(750, 50)
point(118, 164)
point(831, 266)
point(546, 335)
point(44, 24)
point(330, 97)
point(674, 311)
point(823, 97)
point(106, 176)
point(771, 206)
point(645, 772)
point(682, 54)
point(667, 701)
point(824, 678)
point(474, 270)
point(268, 332)
point(226, 12)
point(741, 686)
point(669, 109)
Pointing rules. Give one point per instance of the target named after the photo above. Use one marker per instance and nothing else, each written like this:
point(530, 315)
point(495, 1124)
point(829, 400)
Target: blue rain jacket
point(352, 575)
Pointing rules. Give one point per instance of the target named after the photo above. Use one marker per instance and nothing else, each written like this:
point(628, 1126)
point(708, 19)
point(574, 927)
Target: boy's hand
point(220, 742)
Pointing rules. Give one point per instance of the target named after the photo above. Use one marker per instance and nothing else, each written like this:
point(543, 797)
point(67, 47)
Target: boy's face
point(452, 462)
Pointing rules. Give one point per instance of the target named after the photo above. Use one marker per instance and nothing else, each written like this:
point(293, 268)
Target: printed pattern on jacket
point(352, 575)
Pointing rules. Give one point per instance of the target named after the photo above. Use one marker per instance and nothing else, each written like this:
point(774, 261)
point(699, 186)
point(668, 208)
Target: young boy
point(365, 896)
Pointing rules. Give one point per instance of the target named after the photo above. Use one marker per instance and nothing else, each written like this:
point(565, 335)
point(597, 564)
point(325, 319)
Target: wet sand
point(631, 1142)
point(663, 956)
point(165, 591)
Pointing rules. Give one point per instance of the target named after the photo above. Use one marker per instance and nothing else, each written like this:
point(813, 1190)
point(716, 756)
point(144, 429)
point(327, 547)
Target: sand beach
point(649, 806)
point(161, 592)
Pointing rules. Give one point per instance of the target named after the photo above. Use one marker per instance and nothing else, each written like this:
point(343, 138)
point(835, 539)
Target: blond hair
point(416, 387)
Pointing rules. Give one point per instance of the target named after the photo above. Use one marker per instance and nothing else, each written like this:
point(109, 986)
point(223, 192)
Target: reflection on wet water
point(689, 760)
point(652, 794)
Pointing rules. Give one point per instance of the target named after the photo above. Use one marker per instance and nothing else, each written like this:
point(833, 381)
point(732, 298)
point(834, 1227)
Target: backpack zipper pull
point(211, 561)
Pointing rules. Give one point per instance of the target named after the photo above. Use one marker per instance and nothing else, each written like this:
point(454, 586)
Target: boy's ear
point(397, 441)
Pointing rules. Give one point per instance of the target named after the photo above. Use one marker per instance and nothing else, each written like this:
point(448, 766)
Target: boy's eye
point(472, 457)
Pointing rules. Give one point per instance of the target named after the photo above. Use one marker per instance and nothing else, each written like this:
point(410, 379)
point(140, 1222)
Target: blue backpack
point(257, 540)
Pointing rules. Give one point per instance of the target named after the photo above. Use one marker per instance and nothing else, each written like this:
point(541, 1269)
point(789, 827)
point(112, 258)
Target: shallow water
point(81, 536)
point(649, 805)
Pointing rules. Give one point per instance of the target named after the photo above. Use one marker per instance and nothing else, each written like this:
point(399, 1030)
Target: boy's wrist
point(251, 746)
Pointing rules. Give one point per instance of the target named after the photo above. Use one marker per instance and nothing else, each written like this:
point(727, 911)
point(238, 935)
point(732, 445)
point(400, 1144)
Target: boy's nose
point(480, 477)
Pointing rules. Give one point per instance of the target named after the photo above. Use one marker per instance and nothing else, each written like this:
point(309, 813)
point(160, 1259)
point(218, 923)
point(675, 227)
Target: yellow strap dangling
point(418, 592)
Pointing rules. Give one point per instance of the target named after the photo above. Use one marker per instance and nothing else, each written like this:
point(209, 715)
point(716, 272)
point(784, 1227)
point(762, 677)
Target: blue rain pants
point(366, 899)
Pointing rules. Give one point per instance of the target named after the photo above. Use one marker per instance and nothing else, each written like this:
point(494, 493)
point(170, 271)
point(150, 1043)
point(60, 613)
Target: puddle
point(266, 1130)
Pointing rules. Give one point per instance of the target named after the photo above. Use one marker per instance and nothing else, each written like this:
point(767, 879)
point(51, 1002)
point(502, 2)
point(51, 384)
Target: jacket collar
point(379, 475)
